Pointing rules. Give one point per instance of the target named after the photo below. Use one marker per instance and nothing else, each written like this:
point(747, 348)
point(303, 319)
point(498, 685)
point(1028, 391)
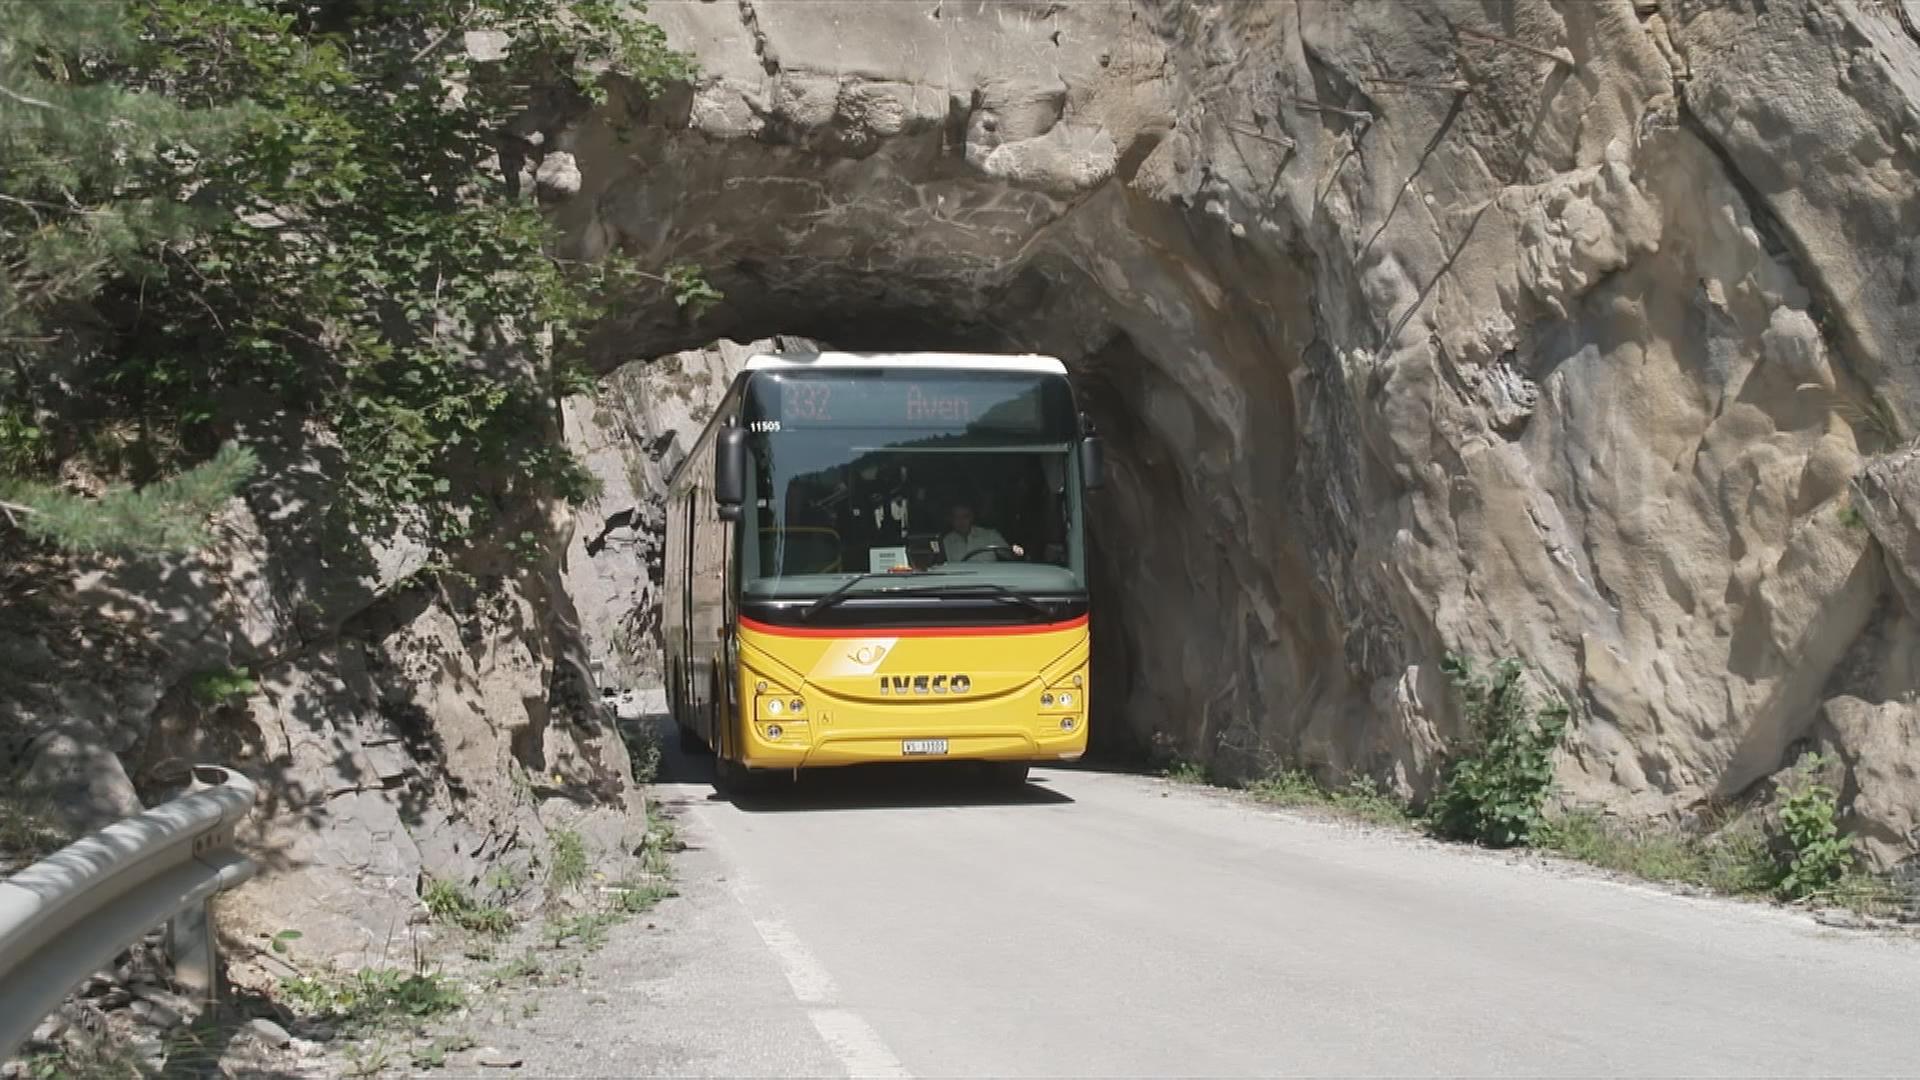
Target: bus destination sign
point(1013, 405)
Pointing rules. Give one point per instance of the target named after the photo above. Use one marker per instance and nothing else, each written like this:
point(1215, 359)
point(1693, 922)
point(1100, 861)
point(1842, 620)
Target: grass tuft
point(568, 869)
point(374, 997)
point(1361, 797)
point(451, 905)
point(1736, 860)
point(1187, 772)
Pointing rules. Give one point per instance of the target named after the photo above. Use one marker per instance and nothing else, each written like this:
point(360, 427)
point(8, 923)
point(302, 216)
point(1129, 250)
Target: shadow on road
point(853, 787)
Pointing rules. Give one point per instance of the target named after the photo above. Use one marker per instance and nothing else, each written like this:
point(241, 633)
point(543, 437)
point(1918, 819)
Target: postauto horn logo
point(925, 684)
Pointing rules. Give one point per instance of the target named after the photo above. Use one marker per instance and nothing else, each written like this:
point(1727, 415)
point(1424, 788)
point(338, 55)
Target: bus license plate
point(911, 747)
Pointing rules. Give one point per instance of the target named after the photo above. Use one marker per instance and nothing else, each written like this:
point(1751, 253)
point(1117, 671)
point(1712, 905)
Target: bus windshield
point(965, 477)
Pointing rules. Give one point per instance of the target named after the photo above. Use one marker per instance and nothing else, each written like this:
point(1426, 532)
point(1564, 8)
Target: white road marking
point(851, 1039)
point(856, 1044)
point(811, 983)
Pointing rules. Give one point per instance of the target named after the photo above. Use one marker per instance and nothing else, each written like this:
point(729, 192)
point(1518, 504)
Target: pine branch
point(25, 100)
point(170, 515)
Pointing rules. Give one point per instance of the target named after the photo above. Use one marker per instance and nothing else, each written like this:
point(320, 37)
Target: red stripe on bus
point(759, 627)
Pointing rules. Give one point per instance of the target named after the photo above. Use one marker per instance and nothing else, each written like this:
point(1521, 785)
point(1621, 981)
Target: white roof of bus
point(971, 361)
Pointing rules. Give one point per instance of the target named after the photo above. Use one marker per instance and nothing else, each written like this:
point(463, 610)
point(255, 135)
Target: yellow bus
point(882, 557)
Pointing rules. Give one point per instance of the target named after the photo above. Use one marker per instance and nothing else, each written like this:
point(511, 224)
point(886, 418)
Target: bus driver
point(980, 543)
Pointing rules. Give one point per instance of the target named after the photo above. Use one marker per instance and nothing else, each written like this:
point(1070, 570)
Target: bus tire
point(691, 742)
point(1007, 773)
point(734, 778)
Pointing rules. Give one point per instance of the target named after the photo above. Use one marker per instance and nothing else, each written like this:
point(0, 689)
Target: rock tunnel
point(1408, 343)
point(1191, 385)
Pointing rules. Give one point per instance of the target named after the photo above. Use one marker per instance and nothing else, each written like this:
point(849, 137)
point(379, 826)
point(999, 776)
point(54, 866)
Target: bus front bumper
point(1043, 739)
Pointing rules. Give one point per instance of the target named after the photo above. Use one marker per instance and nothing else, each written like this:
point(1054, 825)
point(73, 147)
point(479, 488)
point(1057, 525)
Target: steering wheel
point(976, 553)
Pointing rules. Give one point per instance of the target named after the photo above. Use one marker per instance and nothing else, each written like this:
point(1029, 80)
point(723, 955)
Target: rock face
point(400, 725)
point(632, 435)
point(1547, 329)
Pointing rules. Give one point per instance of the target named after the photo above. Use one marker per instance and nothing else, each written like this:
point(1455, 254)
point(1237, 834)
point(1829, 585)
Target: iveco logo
point(925, 684)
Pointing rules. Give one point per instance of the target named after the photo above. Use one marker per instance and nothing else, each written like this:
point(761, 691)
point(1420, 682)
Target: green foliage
point(374, 996)
point(637, 897)
point(1868, 894)
point(1818, 857)
point(27, 832)
point(23, 444)
point(524, 970)
point(589, 930)
point(170, 515)
point(452, 905)
point(223, 685)
point(567, 867)
point(219, 211)
point(366, 1060)
point(108, 1058)
point(662, 840)
point(1288, 787)
point(282, 942)
point(1734, 860)
point(1187, 772)
point(433, 1055)
point(503, 881)
point(1496, 784)
point(644, 750)
point(1361, 798)
point(691, 289)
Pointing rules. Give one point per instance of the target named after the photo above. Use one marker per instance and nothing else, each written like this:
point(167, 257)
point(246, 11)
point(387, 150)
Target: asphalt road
point(1107, 925)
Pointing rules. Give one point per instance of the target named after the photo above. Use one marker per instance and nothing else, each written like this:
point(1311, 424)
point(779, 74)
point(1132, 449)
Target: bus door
point(684, 675)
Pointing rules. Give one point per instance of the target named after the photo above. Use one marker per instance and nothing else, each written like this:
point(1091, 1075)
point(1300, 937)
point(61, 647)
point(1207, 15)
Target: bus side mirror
point(1093, 463)
point(730, 472)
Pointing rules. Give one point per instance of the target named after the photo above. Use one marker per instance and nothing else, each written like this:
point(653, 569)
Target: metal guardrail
point(67, 916)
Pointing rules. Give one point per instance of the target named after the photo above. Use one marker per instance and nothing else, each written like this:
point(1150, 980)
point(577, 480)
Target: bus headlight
point(774, 706)
point(773, 730)
point(1066, 694)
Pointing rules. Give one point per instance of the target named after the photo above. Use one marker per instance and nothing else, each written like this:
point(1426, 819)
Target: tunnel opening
point(1205, 605)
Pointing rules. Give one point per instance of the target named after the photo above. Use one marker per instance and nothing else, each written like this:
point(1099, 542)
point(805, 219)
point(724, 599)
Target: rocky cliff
point(632, 434)
point(1578, 331)
point(404, 721)
point(1560, 330)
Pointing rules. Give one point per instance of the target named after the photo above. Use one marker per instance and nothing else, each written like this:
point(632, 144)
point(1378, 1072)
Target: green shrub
point(1493, 791)
point(224, 685)
point(1363, 799)
point(27, 831)
point(1739, 861)
point(568, 868)
point(374, 996)
point(1288, 787)
point(1187, 772)
point(1818, 857)
point(643, 750)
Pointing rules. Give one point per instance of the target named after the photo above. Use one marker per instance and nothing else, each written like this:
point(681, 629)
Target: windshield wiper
point(841, 590)
point(998, 592)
